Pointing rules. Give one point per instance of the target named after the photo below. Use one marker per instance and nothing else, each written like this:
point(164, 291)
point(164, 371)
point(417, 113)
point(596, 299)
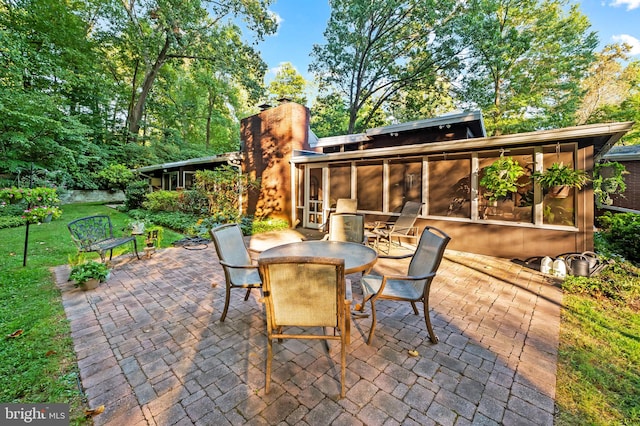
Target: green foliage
point(11, 221)
point(608, 180)
point(38, 195)
point(39, 214)
point(83, 272)
point(376, 50)
point(116, 177)
point(135, 194)
point(621, 231)
point(560, 175)
point(501, 178)
point(177, 221)
point(288, 83)
point(525, 62)
point(619, 281)
point(251, 227)
point(157, 201)
point(223, 187)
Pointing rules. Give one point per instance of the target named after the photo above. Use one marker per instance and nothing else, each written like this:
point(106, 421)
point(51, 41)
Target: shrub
point(11, 221)
point(621, 232)
point(193, 201)
point(116, 177)
point(135, 194)
point(158, 201)
point(618, 282)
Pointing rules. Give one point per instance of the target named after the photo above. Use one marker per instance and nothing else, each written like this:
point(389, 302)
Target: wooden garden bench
point(95, 234)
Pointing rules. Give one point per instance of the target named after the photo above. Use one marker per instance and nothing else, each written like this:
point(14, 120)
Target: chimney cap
point(264, 106)
point(284, 100)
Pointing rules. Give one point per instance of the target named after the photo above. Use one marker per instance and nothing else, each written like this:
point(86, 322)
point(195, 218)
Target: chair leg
point(415, 309)
point(373, 321)
point(343, 362)
point(226, 303)
point(267, 382)
point(427, 319)
point(246, 296)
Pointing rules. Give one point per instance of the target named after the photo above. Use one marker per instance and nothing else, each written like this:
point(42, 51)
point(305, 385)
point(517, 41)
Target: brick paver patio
point(151, 349)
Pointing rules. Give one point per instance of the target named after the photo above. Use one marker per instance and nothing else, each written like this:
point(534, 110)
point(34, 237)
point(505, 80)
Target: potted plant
point(608, 179)
point(558, 179)
point(501, 178)
point(88, 275)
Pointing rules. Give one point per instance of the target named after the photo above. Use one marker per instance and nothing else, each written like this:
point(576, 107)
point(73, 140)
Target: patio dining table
point(357, 258)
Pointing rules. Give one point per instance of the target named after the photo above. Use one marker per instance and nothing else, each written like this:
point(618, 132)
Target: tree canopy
point(99, 82)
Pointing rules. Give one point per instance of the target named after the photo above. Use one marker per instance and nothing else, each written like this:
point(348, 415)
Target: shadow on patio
point(152, 350)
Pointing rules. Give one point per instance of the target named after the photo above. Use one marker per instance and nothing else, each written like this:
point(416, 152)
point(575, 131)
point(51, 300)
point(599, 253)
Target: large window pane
point(339, 182)
point(405, 183)
point(450, 187)
point(369, 186)
point(515, 207)
point(558, 210)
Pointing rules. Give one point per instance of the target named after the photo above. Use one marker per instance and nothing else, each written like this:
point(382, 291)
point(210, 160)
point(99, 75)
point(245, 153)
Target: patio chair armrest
point(229, 265)
point(409, 277)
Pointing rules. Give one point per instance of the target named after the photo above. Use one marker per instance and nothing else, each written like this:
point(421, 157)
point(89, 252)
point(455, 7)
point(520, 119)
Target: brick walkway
point(151, 349)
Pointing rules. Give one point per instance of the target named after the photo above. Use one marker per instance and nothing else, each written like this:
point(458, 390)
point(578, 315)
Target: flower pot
point(47, 218)
point(90, 284)
point(560, 191)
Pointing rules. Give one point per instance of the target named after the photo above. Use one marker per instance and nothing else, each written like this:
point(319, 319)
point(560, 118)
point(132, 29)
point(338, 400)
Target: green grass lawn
point(40, 365)
point(598, 379)
point(598, 368)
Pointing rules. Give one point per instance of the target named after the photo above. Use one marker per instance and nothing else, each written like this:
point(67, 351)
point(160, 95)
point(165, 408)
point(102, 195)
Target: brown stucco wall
point(268, 140)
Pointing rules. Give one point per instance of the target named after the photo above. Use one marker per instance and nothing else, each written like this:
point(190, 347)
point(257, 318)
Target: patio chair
point(347, 227)
point(347, 205)
point(402, 228)
point(413, 287)
point(303, 292)
point(239, 271)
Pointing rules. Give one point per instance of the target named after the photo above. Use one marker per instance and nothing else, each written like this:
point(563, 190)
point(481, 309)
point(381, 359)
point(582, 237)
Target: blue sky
point(302, 24)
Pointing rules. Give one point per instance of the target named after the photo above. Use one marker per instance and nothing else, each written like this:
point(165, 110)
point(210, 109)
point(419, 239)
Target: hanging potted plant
point(88, 275)
point(559, 179)
point(608, 179)
point(501, 178)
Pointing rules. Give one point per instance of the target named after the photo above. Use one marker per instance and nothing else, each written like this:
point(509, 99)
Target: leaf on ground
point(94, 412)
point(49, 353)
point(413, 353)
point(15, 334)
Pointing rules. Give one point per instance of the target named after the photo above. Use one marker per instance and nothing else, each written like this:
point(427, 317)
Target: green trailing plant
point(83, 272)
point(501, 178)
point(608, 179)
point(560, 175)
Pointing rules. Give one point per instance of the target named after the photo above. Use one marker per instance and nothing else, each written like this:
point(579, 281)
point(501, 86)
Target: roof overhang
point(230, 157)
point(601, 136)
point(623, 153)
point(472, 119)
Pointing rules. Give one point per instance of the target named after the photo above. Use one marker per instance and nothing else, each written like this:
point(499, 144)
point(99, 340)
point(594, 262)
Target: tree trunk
point(149, 79)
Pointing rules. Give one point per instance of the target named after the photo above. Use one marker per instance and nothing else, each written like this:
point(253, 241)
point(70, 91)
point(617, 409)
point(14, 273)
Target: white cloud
point(631, 4)
point(631, 41)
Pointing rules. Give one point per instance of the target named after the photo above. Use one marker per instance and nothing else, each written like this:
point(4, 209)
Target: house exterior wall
point(268, 141)
point(383, 179)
